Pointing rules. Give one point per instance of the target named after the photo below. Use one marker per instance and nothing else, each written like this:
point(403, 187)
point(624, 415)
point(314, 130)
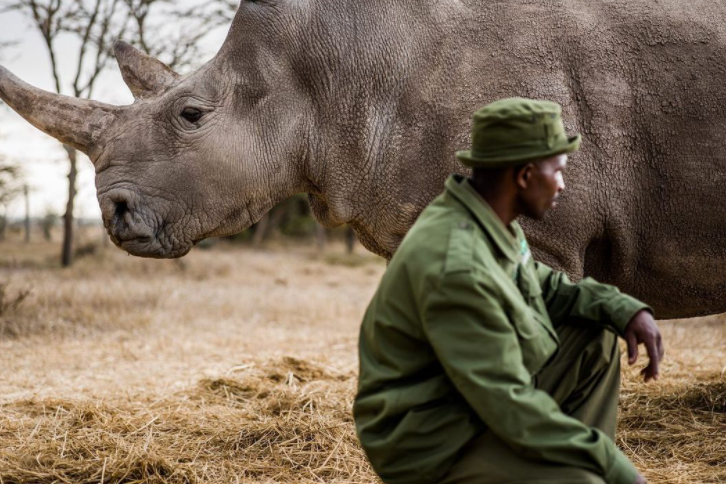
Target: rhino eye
point(192, 114)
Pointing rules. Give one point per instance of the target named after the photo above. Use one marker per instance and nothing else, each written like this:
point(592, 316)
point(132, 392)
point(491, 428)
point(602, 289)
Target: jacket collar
point(510, 245)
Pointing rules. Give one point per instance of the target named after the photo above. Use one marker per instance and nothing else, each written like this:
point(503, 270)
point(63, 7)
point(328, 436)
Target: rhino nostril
point(120, 210)
point(116, 213)
point(121, 218)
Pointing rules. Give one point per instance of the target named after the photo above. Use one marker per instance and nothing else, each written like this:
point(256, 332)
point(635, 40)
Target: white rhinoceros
point(361, 104)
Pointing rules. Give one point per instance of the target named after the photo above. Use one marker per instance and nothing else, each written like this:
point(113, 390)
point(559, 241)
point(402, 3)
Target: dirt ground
point(239, 365)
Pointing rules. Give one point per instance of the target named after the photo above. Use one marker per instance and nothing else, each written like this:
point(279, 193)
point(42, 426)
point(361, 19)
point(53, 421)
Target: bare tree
point(350, 239)
point(96, 24)
point(173, 33)
point(4, 45)
point(26, 196)
point(223, 11)
point(47, 223)
point(9, 189)
point(9, 176)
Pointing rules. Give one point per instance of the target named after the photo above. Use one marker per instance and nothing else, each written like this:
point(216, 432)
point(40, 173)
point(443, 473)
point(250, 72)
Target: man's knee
point(605, 346)
point(592, 344)
point(607, 349)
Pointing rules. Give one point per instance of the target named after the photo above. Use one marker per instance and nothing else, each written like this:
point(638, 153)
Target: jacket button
point(464, 225)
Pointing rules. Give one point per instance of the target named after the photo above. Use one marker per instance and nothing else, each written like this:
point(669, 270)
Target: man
point(479, 365)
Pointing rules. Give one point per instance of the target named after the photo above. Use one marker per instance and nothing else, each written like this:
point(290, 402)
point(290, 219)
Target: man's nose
point(560, 184)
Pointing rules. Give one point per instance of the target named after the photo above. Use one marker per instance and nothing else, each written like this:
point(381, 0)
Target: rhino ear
point(145, 76)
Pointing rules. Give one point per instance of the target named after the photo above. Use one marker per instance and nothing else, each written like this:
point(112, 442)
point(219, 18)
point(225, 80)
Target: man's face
point(540, 184)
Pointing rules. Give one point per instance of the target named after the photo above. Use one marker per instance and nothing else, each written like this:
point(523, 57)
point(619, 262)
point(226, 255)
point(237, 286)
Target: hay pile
point(288, 420)
point(676, 433)
point(283, 421)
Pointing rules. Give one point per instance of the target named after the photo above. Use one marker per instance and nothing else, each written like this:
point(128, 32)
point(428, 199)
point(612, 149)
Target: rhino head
point(194, 156)
point(333, 99)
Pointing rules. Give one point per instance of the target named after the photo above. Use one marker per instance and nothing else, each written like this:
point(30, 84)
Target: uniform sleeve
point(479, 350)
point(587, 300)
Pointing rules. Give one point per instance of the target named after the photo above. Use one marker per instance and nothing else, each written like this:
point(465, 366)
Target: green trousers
point(584, 378)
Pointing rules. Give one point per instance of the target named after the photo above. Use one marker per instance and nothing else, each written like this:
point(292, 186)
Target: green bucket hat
point(510, 131)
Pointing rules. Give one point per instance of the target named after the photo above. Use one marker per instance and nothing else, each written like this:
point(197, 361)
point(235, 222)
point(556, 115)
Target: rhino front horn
point(145, 76)
point(74, 122)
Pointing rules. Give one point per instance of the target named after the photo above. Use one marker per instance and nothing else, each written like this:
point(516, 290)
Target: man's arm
point(480, 351)
point(602, 303)
point(587, 300)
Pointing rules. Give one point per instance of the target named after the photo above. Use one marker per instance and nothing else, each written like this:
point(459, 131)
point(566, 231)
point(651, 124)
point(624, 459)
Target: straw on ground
point(240, 366)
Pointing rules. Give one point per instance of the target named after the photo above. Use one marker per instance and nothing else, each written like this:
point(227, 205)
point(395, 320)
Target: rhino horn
point(74, 122)
point(145, 76)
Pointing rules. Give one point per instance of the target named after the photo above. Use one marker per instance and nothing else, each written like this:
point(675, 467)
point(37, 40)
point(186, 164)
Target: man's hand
point(640, 480)
point(642, 329)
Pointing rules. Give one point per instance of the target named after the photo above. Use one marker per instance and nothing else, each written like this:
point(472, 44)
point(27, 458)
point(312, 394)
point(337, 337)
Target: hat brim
point(505, 160)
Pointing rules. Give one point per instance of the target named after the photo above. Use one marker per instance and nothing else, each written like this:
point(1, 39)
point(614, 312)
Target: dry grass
point(675, 430)
point(239, 366)
point(283, 420)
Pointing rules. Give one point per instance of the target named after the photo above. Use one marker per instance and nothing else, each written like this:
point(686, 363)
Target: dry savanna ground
point(239, 365)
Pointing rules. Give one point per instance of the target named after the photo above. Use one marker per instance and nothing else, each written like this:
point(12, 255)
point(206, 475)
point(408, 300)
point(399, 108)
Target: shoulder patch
point(460, 252)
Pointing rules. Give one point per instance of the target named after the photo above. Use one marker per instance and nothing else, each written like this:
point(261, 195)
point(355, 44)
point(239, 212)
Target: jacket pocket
point(524, 322)
point(532, 338)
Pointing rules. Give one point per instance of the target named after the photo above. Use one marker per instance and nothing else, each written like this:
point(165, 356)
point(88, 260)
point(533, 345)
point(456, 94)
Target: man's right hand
point(640, 480)
point(642, 329)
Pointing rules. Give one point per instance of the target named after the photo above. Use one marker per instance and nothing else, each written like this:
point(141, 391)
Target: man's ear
point(523, 175)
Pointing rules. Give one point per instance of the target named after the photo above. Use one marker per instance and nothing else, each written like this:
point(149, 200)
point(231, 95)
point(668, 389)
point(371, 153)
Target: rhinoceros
point(362, 104)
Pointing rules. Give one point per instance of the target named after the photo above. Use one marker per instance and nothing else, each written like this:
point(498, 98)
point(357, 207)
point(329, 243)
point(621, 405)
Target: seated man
point(479, 365)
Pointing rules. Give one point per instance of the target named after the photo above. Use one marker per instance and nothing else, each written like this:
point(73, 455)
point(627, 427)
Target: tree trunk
point(260, 230)
point(67, 251)
point(350, 239)
point(27, 213)
point(47, 227)
point(3, 223)
point(320, 236)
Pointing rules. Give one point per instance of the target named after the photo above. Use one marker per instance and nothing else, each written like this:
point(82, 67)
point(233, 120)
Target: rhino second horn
point(74, 122)
point(145, 76)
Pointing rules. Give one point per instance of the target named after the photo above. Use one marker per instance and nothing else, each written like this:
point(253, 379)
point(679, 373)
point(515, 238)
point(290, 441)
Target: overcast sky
point(42, 158)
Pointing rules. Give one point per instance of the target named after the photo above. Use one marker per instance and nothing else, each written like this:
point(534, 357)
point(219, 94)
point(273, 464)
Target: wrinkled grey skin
point(362, 105)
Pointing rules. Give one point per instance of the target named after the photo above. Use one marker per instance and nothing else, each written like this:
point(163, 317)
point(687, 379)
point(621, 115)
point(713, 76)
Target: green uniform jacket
point(454, 337)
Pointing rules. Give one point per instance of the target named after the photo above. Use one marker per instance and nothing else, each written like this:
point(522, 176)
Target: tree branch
point(84, 44)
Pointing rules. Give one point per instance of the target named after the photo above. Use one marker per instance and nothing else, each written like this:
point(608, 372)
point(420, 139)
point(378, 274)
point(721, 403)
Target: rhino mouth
point(143, 245)
point(136, 230)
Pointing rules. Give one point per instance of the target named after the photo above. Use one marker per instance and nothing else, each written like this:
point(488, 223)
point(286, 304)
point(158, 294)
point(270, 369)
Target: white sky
point(42, 158)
